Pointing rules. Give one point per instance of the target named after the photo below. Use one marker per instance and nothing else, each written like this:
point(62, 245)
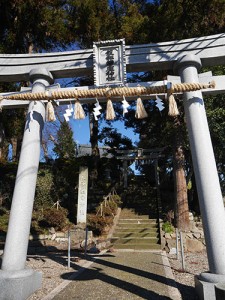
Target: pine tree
point(65, 147)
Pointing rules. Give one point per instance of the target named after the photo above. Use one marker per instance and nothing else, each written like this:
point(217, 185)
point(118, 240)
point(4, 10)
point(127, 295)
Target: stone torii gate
point(185, 58)
point(139, 155)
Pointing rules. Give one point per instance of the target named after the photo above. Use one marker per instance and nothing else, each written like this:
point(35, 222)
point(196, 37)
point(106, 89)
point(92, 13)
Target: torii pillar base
point(205, 285)
point(17, 285)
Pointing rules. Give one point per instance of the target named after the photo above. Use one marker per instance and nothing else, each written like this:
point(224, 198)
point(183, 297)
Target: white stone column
point(82, 196)
point(207, 180)
point(15, 251)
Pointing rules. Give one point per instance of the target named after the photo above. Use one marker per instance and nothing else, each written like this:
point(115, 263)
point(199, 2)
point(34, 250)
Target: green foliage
point(14, 122)
point(54, 218)
point(98, 224)
point(105, 213)
point(65, 179)
point(216, 119)
point(3, 211)
point(45, 191)
point(90, 21)
point(7, 182)
point(107, 208)
point(116, 199)
point(179, 19)
point(167, 227)
point(4, 219)
point(133, 22)
point(65, 147)
point(112, 138)
point(36, 223)
point(28, 26)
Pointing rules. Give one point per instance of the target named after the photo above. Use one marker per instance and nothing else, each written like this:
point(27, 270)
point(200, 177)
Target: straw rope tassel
point(110, 113)
point(173, 110)
point(50, 113)
point(79, 113)
point(140, 110)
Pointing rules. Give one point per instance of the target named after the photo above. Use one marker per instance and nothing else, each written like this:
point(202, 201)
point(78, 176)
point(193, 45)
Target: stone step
point(134, 216)
point(127, 241)
point(130, 213)
point(138, 247)
point(137, 230)
point(137, 221)
point(132, 227)
point(135, 235)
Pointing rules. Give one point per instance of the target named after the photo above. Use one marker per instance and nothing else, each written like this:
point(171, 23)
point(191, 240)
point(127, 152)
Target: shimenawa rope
point(108, 93)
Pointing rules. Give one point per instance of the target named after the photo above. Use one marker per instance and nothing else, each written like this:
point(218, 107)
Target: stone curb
point(173, 290)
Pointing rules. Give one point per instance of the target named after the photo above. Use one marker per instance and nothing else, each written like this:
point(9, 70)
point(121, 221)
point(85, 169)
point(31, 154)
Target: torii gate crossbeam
point(139, 58)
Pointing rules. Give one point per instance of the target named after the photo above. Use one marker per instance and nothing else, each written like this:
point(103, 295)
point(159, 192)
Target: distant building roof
point(85, 150)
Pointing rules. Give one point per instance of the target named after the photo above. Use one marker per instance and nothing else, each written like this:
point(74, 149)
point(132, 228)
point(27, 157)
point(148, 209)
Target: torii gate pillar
point(207, 181)
point(16, 281)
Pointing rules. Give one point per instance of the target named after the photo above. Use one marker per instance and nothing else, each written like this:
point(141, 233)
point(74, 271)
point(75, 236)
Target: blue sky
point(82, 135)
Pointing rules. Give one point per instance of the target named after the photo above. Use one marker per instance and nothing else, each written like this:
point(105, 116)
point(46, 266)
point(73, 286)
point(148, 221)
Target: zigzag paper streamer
point(68, 113)
point(97, 110)
point(125, 105)
point(159, 103)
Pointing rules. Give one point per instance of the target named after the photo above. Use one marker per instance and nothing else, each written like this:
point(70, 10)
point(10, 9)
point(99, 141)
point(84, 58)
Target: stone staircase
point(136, 232)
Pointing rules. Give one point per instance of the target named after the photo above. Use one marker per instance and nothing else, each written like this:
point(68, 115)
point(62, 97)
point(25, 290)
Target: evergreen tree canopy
point(27, 26)
point(65, 146)
point(112, 138)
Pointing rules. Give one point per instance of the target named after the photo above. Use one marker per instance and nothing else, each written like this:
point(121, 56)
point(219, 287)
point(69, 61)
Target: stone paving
point(120, 276)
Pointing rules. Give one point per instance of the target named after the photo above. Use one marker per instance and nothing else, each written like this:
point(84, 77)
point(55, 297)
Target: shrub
point(44, 194)
point(167, 227)
point(54, 218)
point(108, 207)
point(4, 219)
point(116, 199)
point(98, 224)
point(113, 206)
point(3, 211)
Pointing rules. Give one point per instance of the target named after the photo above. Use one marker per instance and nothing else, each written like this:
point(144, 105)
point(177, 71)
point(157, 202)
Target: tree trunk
point(93, 125)
point(181, 198)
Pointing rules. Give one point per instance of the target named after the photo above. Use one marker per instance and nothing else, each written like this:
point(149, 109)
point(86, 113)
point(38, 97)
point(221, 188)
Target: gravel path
point(53, 265)
point(195, 263)
point(55, 271)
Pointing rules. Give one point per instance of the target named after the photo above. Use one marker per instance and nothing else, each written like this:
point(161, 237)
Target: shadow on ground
point(187, 292)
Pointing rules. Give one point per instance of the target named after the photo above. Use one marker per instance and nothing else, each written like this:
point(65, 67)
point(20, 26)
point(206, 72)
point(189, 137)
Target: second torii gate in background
point(139, 155)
